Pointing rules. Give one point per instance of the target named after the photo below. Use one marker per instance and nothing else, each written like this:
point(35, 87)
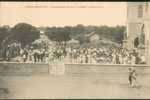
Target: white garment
point(24, 56)
point(133, 60)
point(114, 59)
point(142, 59)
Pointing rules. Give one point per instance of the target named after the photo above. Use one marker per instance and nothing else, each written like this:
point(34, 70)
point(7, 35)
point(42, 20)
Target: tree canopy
point(79, 32)
point(25, 33)
point(4, 33)
point(58, 34)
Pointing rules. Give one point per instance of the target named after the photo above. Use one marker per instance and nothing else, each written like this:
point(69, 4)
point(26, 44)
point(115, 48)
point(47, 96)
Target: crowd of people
point(10, 51)
point(73, 55)
point(106, 55)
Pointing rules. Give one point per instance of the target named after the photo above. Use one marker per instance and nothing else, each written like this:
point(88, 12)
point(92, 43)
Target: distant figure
point(133, 59)
point(117, 59)
point(142, 57)
point(24, 58)
point(132, 78)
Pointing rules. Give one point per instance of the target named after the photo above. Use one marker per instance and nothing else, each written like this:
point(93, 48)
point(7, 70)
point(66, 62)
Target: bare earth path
point(63, 87)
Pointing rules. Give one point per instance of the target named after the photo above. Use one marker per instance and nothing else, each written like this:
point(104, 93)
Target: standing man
point(132, 78)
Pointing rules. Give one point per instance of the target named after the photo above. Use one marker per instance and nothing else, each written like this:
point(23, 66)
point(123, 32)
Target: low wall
point(104, 69)
point(11, 68)
point(23, 68)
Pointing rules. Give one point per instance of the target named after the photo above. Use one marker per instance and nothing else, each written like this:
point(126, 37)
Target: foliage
point(79, 32)
point(25, 33)
point(58, 34)
point(4, 33)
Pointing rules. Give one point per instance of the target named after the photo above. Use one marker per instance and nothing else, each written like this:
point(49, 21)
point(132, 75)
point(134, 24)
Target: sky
point(63, 13)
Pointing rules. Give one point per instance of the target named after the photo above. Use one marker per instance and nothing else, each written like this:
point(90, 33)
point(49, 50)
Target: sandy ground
point(69, 87)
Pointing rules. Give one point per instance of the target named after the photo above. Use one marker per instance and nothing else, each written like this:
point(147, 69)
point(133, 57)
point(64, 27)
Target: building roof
point(73, 41)
point(91, 34)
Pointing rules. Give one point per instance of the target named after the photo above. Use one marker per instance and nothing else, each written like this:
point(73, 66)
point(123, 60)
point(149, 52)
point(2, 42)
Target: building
point(138, 28)
point(93, 36)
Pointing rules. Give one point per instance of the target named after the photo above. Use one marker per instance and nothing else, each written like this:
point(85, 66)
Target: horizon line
point(62, 25)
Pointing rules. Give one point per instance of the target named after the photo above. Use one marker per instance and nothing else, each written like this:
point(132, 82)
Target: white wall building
point(93, 36)
point(138, 25)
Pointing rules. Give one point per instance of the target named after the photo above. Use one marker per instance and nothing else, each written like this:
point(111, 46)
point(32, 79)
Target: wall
point(69, 69)
point(133, 23)
point(104, 70)
point(12, 68)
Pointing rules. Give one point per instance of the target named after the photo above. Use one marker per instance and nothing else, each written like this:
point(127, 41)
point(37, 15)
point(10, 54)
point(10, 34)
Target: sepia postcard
point(74, 50)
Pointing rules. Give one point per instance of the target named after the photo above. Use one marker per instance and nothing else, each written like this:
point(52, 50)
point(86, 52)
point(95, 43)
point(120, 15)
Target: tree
point(113, 33)
point(25, 33)
point(119, 34)
point(4, 33)
point(79, 32)
point(58, 34)
point(83, 39)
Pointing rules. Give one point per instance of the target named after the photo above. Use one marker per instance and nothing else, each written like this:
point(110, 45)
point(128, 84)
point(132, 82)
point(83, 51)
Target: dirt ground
point(70, 87)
